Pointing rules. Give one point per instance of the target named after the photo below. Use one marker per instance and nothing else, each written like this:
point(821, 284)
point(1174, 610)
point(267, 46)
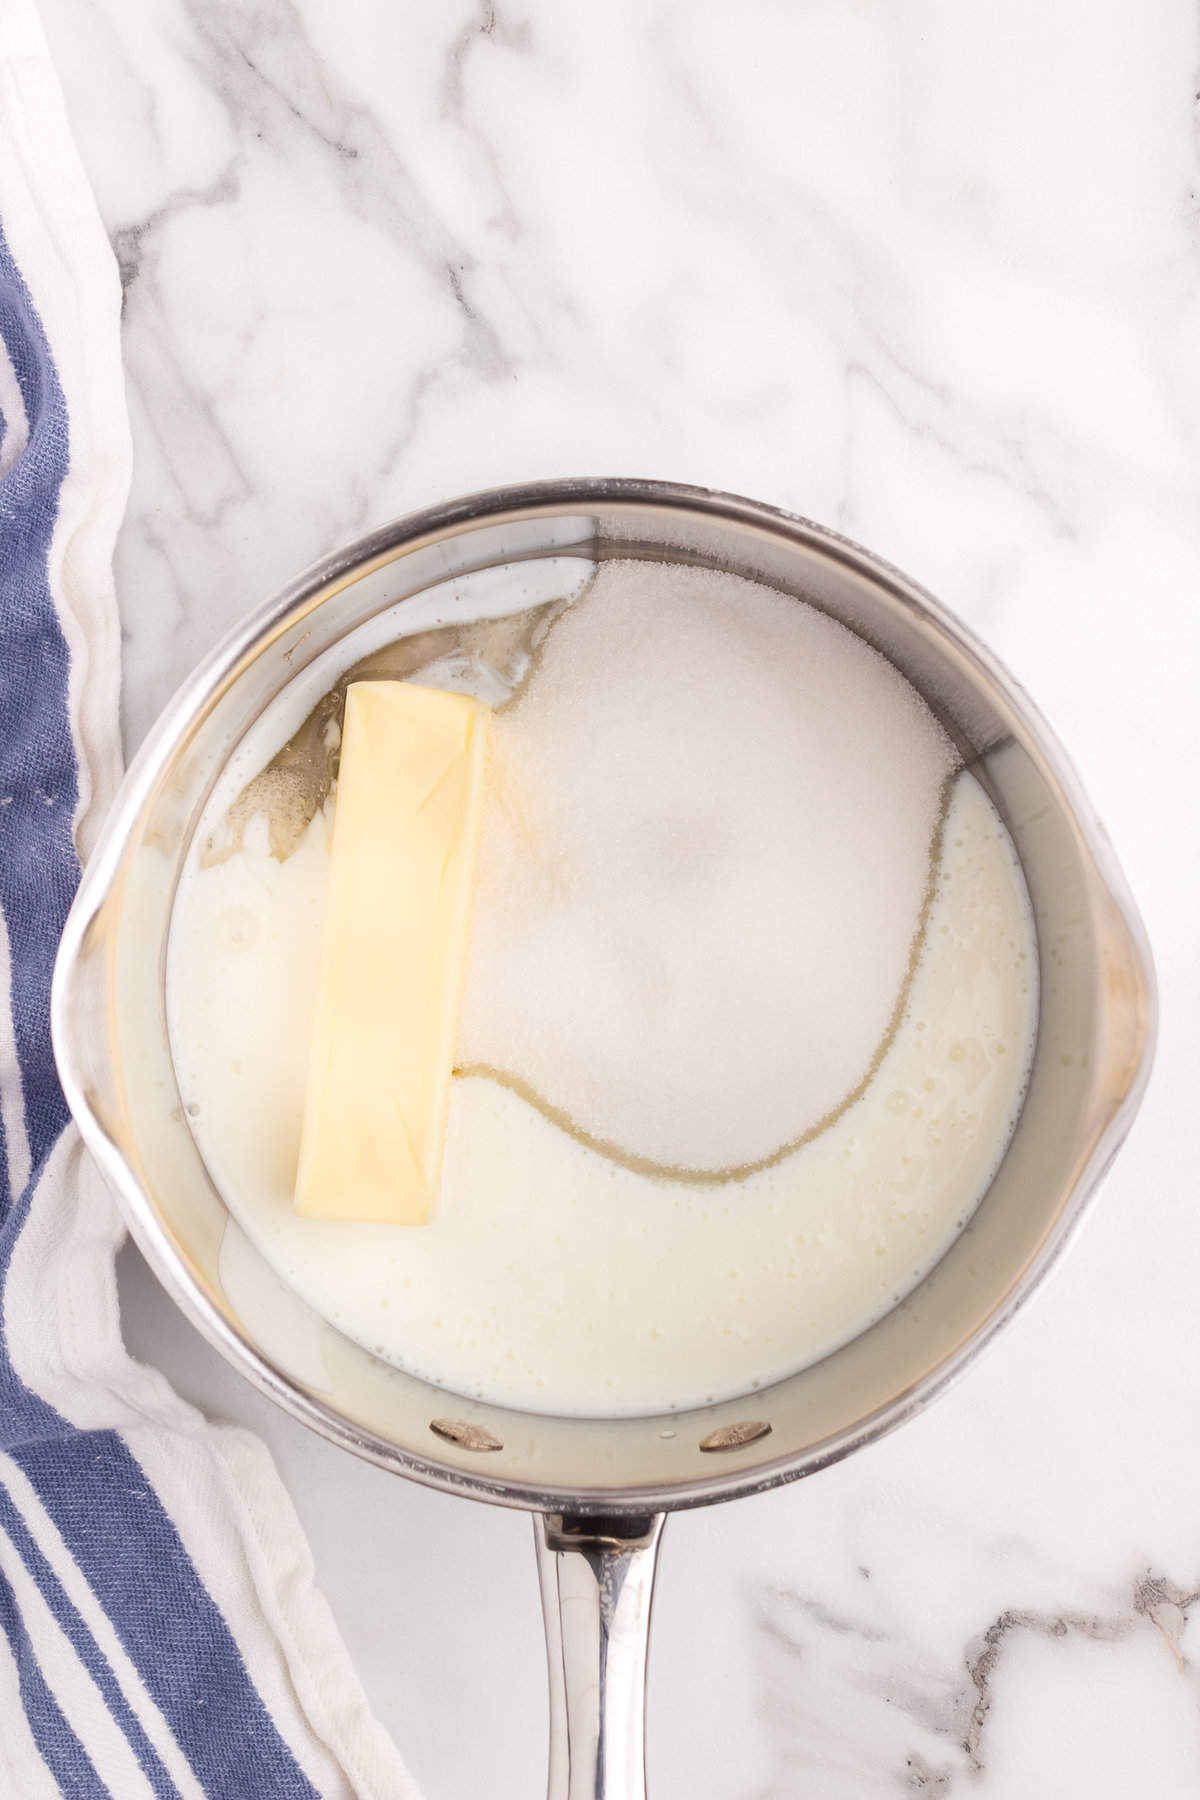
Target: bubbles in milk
point(554, 1276)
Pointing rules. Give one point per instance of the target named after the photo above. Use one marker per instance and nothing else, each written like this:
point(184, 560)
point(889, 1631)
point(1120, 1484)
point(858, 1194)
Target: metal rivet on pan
point(470, 1437)
point(732, 1437)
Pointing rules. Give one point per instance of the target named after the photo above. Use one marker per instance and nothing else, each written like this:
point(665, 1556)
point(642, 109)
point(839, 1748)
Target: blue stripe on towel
point(38, 871)
point(92, 1487)
point(61, 1750)
point(85, 1646)
point(116, 1529)
point(5, 1181)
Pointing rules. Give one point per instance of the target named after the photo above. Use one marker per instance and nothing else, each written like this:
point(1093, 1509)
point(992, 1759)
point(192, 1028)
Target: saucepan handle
point(597, 1578)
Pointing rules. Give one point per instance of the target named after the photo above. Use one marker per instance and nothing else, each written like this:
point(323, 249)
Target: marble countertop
point(927, 273)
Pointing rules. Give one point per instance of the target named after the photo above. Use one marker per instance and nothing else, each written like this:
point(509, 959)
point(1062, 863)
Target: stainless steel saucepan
point(599, 1488)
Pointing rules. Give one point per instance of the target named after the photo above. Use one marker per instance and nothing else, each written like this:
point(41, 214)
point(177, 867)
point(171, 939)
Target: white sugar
point(705, 855)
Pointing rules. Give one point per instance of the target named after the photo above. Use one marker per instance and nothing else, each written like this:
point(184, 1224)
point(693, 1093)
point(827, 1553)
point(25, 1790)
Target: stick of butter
point(405, 834)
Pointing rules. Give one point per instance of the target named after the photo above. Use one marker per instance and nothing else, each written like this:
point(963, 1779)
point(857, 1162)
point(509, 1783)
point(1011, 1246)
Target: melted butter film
point(290, 789)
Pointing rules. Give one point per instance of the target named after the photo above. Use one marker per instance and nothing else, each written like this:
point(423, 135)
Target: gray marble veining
point(925, 272)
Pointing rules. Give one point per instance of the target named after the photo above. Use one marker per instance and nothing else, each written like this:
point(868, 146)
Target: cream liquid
point(554, 1277)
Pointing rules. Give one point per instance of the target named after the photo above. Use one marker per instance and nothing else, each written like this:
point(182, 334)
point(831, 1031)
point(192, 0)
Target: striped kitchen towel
point(160, 1634)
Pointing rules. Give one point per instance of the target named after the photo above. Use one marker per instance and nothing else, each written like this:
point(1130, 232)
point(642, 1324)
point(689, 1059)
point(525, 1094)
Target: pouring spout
point(597, 1580)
